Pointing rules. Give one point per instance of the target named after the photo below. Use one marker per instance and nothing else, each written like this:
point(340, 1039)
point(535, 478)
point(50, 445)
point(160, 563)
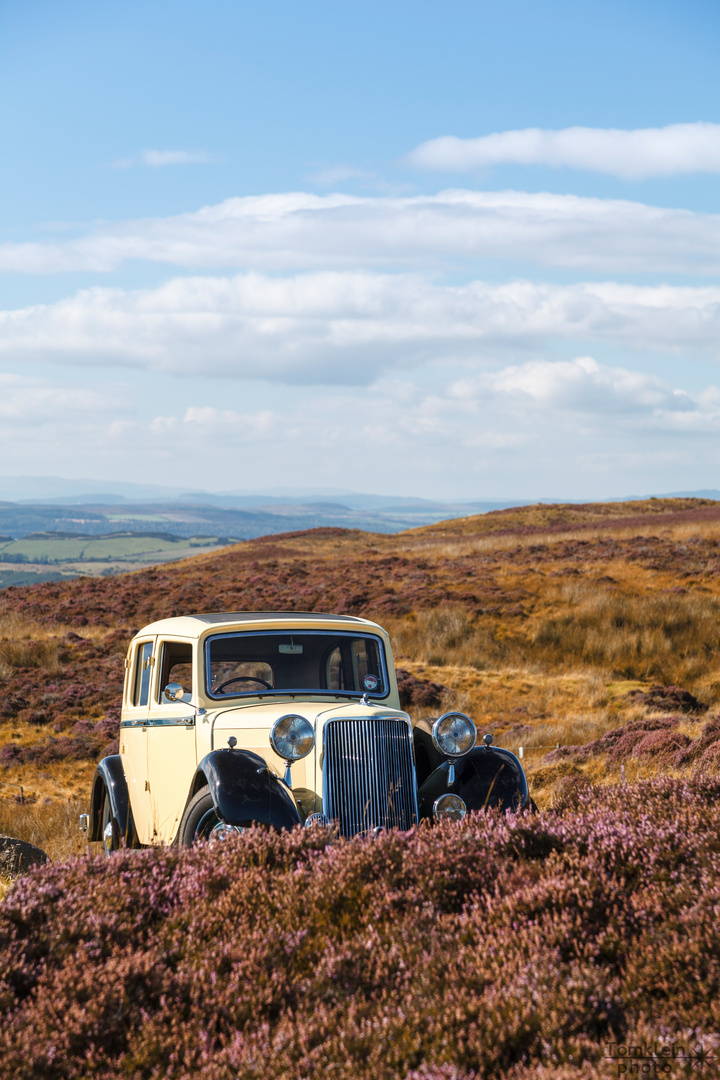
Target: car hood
point(264, 714)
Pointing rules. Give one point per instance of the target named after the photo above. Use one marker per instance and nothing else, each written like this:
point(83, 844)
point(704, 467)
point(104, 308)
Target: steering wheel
point(241, 678)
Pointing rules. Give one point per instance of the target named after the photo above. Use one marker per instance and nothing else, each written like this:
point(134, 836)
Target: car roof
point(195, 625)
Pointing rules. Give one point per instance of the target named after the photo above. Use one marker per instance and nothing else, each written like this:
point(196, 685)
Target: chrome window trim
point(323, 693)
point(155, 722)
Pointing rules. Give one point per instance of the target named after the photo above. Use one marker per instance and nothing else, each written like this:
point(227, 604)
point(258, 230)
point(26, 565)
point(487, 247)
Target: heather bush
point(87, 684)
point(708, 743)
point(421, 693)
point(652, 738)
point(668, 697)
point(661, 746)
point(516, 947)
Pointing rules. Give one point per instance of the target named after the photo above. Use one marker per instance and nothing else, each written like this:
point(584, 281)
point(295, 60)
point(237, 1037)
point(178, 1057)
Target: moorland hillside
point(594, 627)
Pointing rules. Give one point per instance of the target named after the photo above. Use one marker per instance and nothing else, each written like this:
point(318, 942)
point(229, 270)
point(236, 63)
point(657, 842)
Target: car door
point(133, 732)
point(172, 756)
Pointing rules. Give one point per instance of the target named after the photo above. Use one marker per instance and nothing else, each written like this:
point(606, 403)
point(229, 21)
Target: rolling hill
point(548, 624)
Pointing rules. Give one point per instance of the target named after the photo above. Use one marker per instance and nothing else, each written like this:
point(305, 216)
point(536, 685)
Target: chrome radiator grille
point(369, 775)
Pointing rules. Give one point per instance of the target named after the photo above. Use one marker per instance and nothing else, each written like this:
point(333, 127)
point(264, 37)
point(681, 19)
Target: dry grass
point(669, 638)
point(29, 654)
point(446, 635)
point(467, 544)
point(51, 826)
point(543, 516)
point(57, 780)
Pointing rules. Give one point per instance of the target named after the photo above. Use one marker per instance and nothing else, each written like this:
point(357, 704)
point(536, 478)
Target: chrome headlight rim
point(318, 820)
point(293, 742)
point(454, 746)
point(449, 807)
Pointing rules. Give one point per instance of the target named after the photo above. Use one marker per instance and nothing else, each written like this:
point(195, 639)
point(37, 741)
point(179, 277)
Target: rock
point(18, 856)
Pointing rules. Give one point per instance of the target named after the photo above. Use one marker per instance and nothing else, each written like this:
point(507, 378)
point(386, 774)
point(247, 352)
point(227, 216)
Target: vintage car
point(281, 719)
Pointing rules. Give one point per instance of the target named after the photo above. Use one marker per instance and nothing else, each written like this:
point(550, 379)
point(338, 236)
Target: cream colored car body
point(162, 742)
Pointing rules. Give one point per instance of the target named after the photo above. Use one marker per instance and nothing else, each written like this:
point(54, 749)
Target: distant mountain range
point(58, 491)
point(94, 507)
point(51, 504)
point(238, 522)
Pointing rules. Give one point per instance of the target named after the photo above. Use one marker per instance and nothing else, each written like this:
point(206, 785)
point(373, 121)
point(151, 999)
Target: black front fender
point(245, 791)
point(486, 777)
point(110, 777)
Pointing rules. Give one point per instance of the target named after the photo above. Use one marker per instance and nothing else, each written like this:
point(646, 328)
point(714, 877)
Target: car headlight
point(454, 734)
point(292, 737)
point(318, 821)
point(451, 807)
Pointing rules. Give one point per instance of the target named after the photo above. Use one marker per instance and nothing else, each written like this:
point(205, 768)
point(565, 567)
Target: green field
point(28, 560)
point(126, 547)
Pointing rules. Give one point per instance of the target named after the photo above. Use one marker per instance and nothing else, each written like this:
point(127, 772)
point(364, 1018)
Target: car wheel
point(202, 822)
point(199, 819)
point(109, 831)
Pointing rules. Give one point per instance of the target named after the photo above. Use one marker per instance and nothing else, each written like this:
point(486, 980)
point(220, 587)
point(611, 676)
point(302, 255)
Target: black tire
point(198, 820)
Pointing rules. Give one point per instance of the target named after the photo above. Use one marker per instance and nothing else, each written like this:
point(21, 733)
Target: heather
point(498, 947)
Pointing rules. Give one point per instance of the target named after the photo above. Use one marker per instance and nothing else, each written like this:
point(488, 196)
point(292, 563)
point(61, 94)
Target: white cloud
point(632, 155)
point(582, 386)
point(48, 426)
point(209, 419)
point(349, 328)
point(156, 159)
point(303, 231)
point(525, 410)
point(578, 428)
point(31, 402)
point(523, 404)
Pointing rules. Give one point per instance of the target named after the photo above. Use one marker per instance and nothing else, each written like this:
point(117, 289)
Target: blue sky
point(458, 249)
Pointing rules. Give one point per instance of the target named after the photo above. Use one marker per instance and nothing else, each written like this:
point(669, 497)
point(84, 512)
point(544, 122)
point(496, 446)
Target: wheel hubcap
point(222, 831)
point(212, 829)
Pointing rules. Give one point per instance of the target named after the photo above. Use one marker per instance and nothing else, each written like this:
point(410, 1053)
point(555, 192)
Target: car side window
point(361, 665)
point(143, 673)
point(334, 673)
point(176, 667)
point(354, 666)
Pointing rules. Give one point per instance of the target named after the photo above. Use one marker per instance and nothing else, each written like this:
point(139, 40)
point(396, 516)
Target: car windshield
point(325, 662)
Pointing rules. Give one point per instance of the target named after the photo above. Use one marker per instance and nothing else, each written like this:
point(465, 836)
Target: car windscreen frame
point(299, 691)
